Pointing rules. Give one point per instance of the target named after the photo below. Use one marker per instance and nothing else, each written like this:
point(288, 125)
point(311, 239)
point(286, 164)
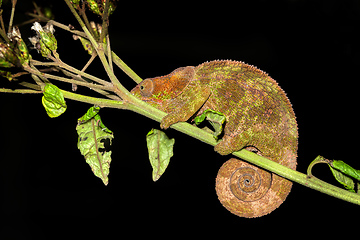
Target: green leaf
point(91, 112)
point(91, 142)
point(342, 172)
point(160, 149)
point(53, 101)
point(346, 181)
point(215, 118)
point(346, 169)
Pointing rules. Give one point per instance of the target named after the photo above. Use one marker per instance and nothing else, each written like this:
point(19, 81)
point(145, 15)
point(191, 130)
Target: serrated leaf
point(91, 143)
point(215, 118)
point(160, 149)
point(53, 101)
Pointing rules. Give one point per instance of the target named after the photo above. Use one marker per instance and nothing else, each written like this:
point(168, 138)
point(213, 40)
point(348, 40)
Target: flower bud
point(6, 74)
point(75, 3)
point(97, 6)
point(46, 37)
point(19, 45)
point(86, 44)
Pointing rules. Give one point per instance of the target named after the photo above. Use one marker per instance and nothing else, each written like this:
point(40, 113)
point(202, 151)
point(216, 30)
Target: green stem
point(142, 108)
point(67, 28)
point(101, 102)
point(12, 15)
point(295, 176)
point(85, 84)
point(292, 175)
point(120, 63)
point(120, 90)
point(84, 74)
point(125, 68)
point(6, 90)
point(132, 103)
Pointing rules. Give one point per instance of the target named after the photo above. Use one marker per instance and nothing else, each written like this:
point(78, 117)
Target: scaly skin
point(258, 113)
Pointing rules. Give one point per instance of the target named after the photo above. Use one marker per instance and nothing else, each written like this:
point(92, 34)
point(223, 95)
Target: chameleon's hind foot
point(226, 146)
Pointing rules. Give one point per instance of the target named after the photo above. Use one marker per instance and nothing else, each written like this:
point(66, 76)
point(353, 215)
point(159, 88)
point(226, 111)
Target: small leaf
point(346, 181)
point(92, 135)
point(342, 172)
point(215, 118)
point(160, 149)
point(91, 112)
point(53, 101)
point(346, 169)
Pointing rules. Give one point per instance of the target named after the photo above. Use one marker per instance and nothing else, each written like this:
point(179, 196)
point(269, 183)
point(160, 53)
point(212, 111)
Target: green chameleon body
point(258, 114)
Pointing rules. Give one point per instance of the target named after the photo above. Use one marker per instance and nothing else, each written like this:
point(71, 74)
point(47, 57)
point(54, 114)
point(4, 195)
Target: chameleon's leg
point(229, 144)
point(233, 142)
point(187, 104)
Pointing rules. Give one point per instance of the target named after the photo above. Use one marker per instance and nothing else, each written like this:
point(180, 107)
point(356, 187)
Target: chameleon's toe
point(223, 148)
point(166, 122)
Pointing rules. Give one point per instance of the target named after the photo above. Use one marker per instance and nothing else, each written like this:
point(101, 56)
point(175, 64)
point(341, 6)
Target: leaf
point(346, 169)
point(91, 112)
point(160, 149)
point(346, 181)
point(91, 142)
point(53, 101)
point(342, 172)
point(215, 118)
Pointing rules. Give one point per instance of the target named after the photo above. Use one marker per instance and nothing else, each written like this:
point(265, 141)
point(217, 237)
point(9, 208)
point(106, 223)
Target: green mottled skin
point(259, 116)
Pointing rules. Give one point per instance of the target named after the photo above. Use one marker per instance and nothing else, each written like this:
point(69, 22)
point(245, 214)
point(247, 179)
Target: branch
point(125, 68)
point(120, 90)
point(6, 90)
point(292, 175)
point(132, 103)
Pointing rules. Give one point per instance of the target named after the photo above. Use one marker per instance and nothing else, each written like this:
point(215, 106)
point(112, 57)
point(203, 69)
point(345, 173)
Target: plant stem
point(295, 176)
point(6, 90)
point(12, 15)
point(85, 84)
point(253, 158)
point(120, 90)
point(67, 28)
point(125, 68)
point(132, 103)
point(101, 102)
point(84, 74)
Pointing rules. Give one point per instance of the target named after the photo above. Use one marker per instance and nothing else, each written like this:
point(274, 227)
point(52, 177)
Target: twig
point(81, 83)
point(108, 50)
point(125, 68)
point(5, 90)
point(12, 14)
point(61, 64)
point(120, 90)
point(67, 28)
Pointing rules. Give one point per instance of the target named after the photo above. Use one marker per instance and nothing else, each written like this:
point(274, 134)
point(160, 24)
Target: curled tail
point(248, 191)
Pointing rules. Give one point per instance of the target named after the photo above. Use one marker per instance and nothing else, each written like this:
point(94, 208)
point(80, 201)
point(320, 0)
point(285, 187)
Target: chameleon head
point(157, 91)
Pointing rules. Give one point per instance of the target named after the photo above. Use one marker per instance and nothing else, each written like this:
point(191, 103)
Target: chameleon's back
point(259, 118)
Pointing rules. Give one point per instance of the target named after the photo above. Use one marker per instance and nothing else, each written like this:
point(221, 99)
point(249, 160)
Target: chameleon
point(259, 118)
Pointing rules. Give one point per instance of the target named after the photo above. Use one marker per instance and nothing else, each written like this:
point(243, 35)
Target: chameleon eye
point(146, 88)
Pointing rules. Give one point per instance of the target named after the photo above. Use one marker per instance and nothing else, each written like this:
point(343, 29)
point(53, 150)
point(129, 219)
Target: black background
point(310, 47)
